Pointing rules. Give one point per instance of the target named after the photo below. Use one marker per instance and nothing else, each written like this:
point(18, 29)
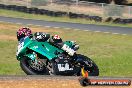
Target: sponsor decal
point(85, 81)
point(68, 50)
point(64, 67)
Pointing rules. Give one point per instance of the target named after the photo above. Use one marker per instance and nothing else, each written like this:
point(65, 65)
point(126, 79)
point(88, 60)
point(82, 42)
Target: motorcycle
point(46, 58)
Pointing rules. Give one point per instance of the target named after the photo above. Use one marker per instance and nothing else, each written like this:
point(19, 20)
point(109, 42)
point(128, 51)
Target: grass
point(129, 1)
point(9, 13)
point(112, 53)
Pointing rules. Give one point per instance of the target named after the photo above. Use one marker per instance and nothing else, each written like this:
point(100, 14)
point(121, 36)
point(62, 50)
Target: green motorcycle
point(47, 58)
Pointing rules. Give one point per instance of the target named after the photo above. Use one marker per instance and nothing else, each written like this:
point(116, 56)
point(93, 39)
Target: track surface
point(21, 77)
point(91, 27)
point(48, 82)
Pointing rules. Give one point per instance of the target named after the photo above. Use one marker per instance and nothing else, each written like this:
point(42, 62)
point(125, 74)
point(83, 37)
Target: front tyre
point(89, 65)
point(26, 65)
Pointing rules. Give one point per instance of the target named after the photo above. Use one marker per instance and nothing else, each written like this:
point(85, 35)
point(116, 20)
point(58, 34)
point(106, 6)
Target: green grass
point(9, 13)
point(8, 63)
point(129, 1)
point(112, 53)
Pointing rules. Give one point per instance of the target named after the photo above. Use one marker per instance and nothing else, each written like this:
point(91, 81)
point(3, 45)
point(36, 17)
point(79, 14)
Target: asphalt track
point(51, 82)
point(22, 77)
point(85, 27)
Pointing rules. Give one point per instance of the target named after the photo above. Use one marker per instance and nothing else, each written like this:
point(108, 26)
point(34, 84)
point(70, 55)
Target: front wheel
point(30, 67)
point(89, 65)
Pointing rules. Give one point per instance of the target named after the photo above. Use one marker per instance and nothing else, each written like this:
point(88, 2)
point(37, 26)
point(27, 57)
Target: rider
point(39, 36)
point(26, 31)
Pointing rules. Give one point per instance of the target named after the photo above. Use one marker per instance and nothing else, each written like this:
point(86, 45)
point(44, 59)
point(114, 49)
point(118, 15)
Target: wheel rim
point(36, 65)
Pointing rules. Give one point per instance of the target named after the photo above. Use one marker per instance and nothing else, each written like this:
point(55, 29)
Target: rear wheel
point(31, 67)
point(89, 65)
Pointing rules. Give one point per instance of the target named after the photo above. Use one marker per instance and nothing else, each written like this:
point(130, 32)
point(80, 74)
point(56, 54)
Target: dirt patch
point(88, 9)
point(129, 1)
point(4, 26)
point(7, 37)
point(83, 9)
point(48, 83)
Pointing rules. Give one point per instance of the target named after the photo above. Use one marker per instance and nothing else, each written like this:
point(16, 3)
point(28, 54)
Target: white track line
point(86, 30)
point(1, 21)
point(19, 23)
point(47, 26)
point(67, 28)
point(115, 33)
point(10, 22)
point(56, 27)
point(38, 25)
point(124, 34)
point(76, 29)
point(30, 24)
point(97, 31)
point(106, 32)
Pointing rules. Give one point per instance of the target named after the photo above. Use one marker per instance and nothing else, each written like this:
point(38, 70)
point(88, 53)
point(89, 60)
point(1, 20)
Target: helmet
point(23, 32)
point(41, 36)
point(56, 39)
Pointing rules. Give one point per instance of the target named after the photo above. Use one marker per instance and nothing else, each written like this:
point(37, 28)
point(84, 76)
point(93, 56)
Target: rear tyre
point(25, 64)
point(89, 65)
